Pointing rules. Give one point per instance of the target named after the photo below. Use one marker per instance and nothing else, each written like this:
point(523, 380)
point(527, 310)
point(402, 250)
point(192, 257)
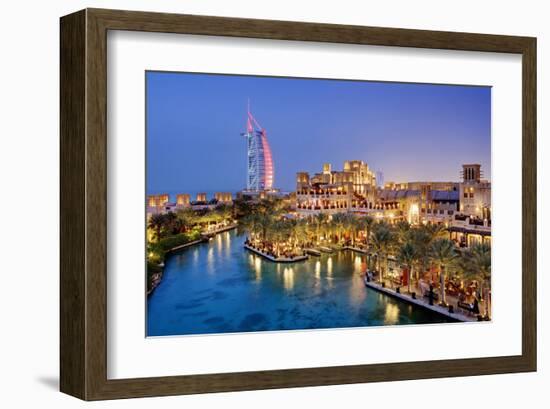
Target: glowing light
point(288, 278)
point(210, 260)
point(413, 213)
point(318, 269)
point(219, 243)
point(258, 268)
point(357, 264)
point(392, 314)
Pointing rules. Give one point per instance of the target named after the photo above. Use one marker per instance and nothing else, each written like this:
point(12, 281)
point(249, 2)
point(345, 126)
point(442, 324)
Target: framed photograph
point(252, 204)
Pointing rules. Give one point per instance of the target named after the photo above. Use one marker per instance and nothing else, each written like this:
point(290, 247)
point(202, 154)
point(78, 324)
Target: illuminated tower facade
point(260, 172)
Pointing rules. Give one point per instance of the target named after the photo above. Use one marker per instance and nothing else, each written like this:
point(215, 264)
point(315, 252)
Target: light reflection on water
point(288, 278)
point(219, 242)
point(219, 287)
point(392, 314)
point(258, 267)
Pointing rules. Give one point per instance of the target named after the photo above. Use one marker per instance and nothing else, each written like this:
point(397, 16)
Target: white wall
point(29, 168)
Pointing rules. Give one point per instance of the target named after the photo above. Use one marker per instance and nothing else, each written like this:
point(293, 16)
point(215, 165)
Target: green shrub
point(177, 240)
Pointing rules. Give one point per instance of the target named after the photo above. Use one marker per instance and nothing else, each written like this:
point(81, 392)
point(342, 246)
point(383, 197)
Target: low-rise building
point(157, 201)
point(223, 197)
point(183, 199)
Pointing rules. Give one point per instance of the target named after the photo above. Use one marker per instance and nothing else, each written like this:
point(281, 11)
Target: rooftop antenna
point(252, 120)
point(249, 118)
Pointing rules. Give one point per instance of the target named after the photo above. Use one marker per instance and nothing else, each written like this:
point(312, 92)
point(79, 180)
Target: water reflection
point(219, 243)
point(240, 291)
point(288, 278)
point(227, 240)
point(357, 264)
point(392, 314)
point(258, 268)
point(210, 261)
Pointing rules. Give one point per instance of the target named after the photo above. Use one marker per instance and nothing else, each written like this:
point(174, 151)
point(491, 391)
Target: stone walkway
point(457, 315)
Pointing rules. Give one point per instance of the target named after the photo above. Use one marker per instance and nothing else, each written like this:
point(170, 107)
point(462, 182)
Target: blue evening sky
point(410, 132)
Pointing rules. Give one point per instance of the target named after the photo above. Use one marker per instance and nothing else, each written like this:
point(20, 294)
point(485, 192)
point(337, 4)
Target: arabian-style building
point(223, 197)
point(157, 201)
point(473, 223)
point(201, 198)
point(335, 191)
point(183, 199)
point(475, 193)
point(162, 204)
point(463, 207)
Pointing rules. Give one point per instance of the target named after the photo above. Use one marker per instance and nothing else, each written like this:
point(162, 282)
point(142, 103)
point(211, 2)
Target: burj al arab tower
point(260, 174)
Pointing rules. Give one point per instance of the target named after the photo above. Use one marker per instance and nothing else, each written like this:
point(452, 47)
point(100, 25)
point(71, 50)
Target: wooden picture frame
point(84, 203)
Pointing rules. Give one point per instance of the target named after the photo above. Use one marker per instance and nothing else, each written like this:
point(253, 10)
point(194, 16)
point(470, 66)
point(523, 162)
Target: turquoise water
point(219, 287)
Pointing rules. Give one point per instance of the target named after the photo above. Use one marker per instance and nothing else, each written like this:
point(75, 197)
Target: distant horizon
point(409, 132)
point(210, 193)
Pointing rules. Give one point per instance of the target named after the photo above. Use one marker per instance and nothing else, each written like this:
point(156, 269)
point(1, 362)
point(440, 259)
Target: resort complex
point(426, 243)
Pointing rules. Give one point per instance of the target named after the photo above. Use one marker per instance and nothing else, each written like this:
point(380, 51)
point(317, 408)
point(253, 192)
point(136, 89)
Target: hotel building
point(336, 191)
point(157, 201)
point(473, 223)
point(463, 207)
point(161, 203)
point(260, 167)
point(223, 197)
point(183, 200)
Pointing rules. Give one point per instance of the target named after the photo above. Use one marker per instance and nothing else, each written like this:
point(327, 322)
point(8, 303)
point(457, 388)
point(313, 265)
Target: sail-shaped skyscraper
point(260, 172)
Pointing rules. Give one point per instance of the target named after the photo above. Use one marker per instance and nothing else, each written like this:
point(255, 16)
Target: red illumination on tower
point(260, 159)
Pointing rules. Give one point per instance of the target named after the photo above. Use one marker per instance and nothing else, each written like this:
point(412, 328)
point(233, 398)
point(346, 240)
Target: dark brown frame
point(84, 203)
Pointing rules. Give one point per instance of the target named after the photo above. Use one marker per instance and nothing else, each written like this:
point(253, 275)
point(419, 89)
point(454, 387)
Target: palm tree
point(251, 223)
point(423, 237)
point(243, 207)
point(436, 231)
point(157, 223)
point(402, 229)
point(224, 211)
point(272, 205)
point(367, 224)
point(279, 231)
point(320, 221)
point(477, 266)
point(172, 223)
point(301, 232)
point(406, 255)
point(353, 225)
point(339, 221)
point(187, 218)
point(444, 254)
point(381, 240)
point(266, 223)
